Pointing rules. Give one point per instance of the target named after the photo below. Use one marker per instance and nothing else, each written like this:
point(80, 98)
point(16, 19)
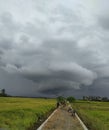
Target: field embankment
point(94, 114)
point(22, 113)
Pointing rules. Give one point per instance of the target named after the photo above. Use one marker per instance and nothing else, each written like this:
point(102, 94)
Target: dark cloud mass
point(54, 48)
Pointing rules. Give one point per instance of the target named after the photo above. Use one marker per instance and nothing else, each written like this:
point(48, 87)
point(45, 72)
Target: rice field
point(22, 113)
point(94, 114)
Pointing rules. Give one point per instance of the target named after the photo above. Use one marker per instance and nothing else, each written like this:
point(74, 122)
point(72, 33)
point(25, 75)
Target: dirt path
point(62, 120)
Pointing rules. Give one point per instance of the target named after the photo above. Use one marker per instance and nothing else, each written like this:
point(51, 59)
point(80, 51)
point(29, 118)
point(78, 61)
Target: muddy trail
point(62, 120)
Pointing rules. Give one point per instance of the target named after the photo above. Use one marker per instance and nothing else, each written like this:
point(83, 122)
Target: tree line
point(95, 98)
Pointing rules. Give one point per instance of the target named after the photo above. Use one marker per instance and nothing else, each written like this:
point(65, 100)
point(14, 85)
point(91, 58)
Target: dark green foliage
point(71, 99)
point(3, 91)
point(3, 94)
point(61, 99)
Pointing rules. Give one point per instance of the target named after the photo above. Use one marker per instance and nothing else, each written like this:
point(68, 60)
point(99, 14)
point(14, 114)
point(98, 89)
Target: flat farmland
point(94, 114)
point(22, 113)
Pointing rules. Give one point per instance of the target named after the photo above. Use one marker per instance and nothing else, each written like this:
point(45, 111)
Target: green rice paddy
point(94, 114)
point(22, 113)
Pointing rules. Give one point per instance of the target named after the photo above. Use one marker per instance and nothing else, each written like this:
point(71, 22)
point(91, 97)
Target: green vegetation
point(94, 114)
point(61, 99)
point(2, 93)
point(95, 98)
point(71, 99)
point(22, 113)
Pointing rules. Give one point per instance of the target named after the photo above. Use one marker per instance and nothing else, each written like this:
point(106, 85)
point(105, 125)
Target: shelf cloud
point(54, 47)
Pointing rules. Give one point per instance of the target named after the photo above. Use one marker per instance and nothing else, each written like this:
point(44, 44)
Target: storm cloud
point(54, 47)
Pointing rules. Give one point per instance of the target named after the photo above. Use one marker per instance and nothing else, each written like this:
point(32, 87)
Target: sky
point(54, 47)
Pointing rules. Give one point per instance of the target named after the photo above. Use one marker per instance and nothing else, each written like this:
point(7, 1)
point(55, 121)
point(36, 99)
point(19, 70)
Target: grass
point(94, 114)
point(22, 113)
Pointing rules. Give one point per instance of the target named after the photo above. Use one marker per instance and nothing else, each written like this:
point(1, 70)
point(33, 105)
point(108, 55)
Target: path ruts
point(62, 120)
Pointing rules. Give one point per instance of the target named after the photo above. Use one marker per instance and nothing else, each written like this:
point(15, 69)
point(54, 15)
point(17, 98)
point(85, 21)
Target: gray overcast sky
point(54, 47)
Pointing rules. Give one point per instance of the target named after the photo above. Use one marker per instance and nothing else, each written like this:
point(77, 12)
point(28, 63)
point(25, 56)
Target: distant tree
point(71, 99)
point(3, 94)
point(61, 99)
point(95, 98)
point(3, 91)
point(85, 98)
point(105, 99)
